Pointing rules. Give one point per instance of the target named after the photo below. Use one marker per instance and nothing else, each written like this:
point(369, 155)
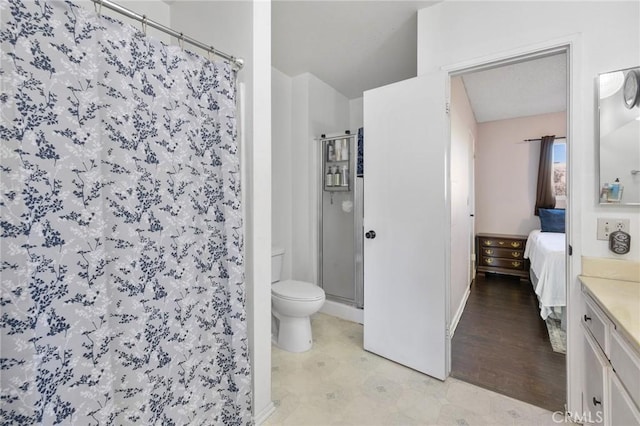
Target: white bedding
point(546, 252)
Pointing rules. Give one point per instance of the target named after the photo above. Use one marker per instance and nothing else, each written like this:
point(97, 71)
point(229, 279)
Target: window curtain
point(545, 198)
point(122, 250)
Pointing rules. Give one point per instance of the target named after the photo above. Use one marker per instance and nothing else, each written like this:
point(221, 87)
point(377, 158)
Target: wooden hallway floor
point(502, 344)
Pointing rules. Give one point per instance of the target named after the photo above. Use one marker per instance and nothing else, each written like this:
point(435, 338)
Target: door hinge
point(570, 250)
point(447, 108)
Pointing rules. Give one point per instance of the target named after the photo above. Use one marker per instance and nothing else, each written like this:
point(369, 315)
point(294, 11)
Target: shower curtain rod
point(237, 62)
point(539, 139)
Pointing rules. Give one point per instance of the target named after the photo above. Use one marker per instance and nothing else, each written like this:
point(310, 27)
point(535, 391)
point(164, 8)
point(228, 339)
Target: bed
point(546, 254)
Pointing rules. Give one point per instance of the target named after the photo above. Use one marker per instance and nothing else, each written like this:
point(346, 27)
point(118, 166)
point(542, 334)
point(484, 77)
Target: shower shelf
point(333, 165)
point(337, 188)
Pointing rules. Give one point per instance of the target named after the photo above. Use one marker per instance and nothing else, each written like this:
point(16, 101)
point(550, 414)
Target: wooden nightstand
point(502, 254)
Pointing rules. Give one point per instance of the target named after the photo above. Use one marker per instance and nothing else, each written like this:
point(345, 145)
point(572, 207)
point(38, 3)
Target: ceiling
point(522, 89)
point(358, 45)
point(351, 45)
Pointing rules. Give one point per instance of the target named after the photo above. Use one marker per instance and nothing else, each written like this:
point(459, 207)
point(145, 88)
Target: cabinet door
point(626, 363)
point(622, 409)
point(594, 374)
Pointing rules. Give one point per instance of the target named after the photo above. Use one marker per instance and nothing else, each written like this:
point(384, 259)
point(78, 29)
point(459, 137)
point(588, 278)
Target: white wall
point(356, 113)
point(281, 166)
point(507, 172)
point(606, 32)
point(242, 28)
point(317, 108)
point(463, 137)
point(259, 208)
point(302, 225)
point(604, 37)
point(155, 10)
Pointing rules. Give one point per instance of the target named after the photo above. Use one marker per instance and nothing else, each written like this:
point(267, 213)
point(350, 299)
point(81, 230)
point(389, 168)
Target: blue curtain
point(121, 237)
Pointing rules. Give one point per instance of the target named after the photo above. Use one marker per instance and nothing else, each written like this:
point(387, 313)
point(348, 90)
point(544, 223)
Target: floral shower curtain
point(122, 291)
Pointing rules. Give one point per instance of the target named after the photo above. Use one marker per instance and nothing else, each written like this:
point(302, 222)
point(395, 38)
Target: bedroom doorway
point(502, 338)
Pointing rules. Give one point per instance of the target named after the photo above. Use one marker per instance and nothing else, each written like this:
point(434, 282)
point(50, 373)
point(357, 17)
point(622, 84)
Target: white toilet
point(292, 303)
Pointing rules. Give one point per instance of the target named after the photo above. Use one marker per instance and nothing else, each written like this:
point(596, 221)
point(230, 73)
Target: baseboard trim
point(262, 416)
point(458, 315)
point(342, 311)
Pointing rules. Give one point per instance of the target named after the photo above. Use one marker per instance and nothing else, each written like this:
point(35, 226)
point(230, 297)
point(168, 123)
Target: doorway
point(499, 338)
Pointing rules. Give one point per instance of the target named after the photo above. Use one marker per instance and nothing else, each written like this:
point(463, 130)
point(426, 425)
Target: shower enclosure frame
point(356, 188)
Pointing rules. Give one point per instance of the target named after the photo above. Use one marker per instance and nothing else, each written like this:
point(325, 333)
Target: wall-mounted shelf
point(337, 164)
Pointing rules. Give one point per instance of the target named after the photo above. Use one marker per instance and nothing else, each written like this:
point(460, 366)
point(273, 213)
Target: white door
point(405, 205)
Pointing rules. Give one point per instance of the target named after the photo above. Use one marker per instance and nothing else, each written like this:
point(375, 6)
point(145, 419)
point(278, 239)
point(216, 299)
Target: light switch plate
point(607, 225)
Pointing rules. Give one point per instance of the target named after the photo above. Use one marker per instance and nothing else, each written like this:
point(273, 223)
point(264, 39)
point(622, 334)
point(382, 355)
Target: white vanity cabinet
point(611, 374)
point(626, 364)
point(595, 373)
point(623, 410)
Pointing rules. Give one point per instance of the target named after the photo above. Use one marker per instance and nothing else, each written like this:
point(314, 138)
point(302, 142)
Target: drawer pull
point(501, 243)
point(586, 318)
point(488, 242)
point(489, 261)
point(515, 264)
point(596, 402)
point(515, 254)
point(515, 244)
point(488, 251)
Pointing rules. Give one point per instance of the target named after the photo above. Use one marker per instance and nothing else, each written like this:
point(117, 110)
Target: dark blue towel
point(360, 171)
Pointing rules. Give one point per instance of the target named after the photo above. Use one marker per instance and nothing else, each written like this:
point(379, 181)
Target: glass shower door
point(340, 222)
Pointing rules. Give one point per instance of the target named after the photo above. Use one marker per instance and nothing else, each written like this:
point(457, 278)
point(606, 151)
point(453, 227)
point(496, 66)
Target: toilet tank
point(277, 257)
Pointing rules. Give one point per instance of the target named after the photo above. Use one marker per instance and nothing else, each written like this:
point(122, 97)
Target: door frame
point(472, 209)
point(571, 46)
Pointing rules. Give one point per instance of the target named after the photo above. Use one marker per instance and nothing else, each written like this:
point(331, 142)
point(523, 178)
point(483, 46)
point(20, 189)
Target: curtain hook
point(210, 51)
point(144, 24)
point(181, 41)
point(97, 6)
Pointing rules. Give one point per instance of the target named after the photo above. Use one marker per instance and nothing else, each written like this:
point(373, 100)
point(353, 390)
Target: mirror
point(619, 131)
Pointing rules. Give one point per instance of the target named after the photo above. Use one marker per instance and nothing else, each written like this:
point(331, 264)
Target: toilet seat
point(297, 290)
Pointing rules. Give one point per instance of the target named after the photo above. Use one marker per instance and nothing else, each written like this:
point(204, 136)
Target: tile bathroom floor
point(338, 383)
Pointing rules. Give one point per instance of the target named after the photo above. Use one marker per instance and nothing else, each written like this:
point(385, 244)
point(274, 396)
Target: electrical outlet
point(606, 226)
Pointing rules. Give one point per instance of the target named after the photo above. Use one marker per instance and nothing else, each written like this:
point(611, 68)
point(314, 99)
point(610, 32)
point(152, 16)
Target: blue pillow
point(552, 220)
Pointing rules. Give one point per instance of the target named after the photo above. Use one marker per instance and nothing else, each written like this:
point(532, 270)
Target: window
point(560, 173)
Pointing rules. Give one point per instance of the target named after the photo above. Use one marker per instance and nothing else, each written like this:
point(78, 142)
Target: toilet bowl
point(292, 304)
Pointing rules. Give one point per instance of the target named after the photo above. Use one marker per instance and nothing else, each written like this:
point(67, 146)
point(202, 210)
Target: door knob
point(370, 235)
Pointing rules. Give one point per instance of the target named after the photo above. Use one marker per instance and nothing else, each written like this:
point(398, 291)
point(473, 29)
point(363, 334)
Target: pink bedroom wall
point(506, 170)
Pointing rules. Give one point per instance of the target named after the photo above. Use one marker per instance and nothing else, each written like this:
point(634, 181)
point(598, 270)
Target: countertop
point(620, 300)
